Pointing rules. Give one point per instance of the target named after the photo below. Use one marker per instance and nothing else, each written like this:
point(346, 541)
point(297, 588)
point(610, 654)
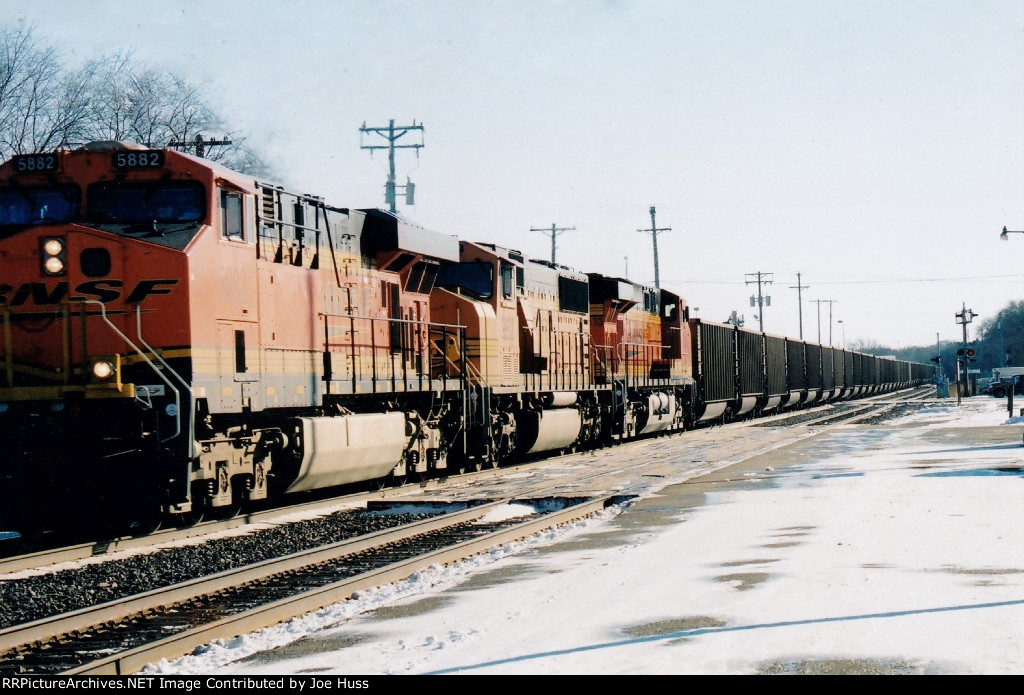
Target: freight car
point(179, 340)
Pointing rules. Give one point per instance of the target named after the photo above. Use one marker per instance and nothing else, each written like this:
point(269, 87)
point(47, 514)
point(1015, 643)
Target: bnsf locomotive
point(179, 340)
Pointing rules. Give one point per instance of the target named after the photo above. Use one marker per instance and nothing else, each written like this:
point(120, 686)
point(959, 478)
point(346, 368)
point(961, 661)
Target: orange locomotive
point(181, 340)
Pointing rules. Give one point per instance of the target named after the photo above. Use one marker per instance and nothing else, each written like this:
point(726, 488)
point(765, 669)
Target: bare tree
point(44, 105)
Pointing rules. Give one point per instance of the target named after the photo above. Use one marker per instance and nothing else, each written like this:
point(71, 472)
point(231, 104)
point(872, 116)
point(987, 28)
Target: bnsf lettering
point(148, 287)
point(94, 289)
point(101, 290)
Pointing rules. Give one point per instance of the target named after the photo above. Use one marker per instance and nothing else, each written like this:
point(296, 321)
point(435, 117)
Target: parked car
point(1004, 379)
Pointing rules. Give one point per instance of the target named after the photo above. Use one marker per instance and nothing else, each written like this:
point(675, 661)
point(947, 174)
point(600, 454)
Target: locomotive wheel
point(147, 523)
point(229, 511)
point(190, 518)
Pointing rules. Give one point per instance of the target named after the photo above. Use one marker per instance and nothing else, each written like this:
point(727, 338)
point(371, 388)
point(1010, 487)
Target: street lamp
point(1005, 236)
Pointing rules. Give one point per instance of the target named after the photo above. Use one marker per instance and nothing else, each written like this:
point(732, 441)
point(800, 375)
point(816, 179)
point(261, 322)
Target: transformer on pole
point(760, 301)
point(392, 133)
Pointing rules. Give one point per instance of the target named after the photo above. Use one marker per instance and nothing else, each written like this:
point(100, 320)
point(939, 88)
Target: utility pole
point(554, 232)
point(830, 302)
point(653, 231)
point(964, 317)
point(199, 144)
point(392, 133)
point(800, 302)
point(762, 301)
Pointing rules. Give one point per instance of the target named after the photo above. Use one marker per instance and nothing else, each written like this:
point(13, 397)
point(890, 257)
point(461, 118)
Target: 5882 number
point(25, 163)
point(145, 159)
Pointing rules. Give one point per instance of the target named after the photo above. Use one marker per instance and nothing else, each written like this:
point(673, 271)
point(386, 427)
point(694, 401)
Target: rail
point(149, 363)
point(64, 377)
point(406, 348)
point(181, 380)
point(561, 364)
point(5, 312)
point(632, 363)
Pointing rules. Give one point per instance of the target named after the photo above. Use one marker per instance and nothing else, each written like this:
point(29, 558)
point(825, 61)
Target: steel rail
point(82, 551)
point(129, 661)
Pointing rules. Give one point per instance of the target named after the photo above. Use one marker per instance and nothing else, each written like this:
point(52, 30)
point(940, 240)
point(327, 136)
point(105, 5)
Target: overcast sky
point(874, 147)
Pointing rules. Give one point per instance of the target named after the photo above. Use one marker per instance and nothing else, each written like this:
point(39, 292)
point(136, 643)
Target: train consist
point(180, 340)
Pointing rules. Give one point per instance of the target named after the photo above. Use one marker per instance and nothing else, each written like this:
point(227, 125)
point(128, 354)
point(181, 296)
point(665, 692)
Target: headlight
point(53, 256)
point(102, 369)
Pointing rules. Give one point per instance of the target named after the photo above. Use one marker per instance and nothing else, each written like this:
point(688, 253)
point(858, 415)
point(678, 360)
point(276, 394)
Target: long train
point(179, 340)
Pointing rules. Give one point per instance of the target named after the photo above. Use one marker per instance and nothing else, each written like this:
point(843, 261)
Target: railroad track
point(123, 635)
point(843, 412)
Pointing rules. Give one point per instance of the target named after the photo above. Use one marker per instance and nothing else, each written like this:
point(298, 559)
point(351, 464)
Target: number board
point(35, 163)
point(139, 159)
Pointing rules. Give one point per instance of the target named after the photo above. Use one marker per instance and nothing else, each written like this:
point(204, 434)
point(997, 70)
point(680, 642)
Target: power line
point(199, 144)
point(654, 231)
point(800, 302)
point(983, 278)
point(554, 232)
point(761, 278)
point(392, 133)
point(830, 302)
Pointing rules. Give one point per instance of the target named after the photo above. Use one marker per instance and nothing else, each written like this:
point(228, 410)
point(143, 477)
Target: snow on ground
point(897, 550)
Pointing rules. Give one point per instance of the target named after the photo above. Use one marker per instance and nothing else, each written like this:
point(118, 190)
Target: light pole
point(1005, 236)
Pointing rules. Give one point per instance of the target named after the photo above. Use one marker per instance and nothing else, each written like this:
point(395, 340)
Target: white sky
point(895, 544)
point(877, 148)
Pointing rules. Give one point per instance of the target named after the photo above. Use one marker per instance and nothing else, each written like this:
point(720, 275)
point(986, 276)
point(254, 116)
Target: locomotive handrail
point(177, 396)
point(429, 324)
point(457, 329)
point(621, 348)
point(188, 389)
point(8, 345)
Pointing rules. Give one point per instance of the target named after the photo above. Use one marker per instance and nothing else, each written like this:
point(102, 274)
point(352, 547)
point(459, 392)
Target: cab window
point(231, 215)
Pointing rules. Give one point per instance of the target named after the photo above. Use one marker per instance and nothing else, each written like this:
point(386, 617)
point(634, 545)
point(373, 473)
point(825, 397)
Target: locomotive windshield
point(475, 279)
point(37, 205)
point(129, 202)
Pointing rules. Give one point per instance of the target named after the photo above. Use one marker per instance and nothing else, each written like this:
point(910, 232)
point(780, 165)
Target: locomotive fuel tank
point(548, 430)
point(347, 449)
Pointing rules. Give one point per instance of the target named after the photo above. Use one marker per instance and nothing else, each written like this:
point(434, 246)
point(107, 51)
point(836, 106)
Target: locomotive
point(181, 340)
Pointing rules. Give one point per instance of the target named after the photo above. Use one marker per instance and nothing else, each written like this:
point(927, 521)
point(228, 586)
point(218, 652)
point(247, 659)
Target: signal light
point(970, 352)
